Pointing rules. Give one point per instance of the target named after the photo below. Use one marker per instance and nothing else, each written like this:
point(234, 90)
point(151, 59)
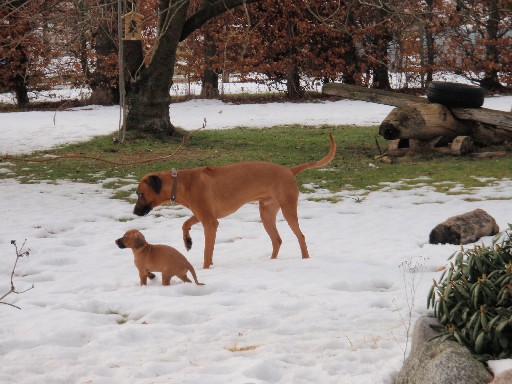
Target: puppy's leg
point(151, 275)
point(289, 208)
point(210, 233)
point(187, 225)
point(268, 213)
point(166, 278)
point(143, 277)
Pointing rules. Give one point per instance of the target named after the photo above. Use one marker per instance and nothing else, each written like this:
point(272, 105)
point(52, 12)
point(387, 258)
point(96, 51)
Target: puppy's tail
point(193, 273)
point(316, 164)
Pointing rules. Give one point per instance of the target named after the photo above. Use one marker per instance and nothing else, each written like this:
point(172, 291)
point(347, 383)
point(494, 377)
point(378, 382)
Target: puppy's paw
point(188, 243)
point(151, 275)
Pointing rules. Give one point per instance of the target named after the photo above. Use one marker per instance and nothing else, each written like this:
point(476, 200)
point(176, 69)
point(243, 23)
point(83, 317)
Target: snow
point(339, 317)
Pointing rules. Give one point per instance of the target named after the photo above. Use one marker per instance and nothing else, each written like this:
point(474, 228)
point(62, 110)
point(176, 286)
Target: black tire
point(455, 94)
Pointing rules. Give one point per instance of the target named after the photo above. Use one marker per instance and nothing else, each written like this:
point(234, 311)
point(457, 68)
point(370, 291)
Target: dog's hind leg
point(186, 231)
point(210, 233)
point(290, 214)
point(268, 213)
point(166, 278)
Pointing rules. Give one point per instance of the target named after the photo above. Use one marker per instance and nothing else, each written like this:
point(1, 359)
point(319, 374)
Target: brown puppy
point(156, 258)
point(212, 193)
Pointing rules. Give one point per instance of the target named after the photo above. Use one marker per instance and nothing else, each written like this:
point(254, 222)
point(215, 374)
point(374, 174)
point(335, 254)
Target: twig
point(19, 253)
point(357, 199)
point(412, 273)
point(378, 146)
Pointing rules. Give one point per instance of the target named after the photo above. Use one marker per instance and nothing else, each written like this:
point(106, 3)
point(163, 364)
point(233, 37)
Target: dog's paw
point(188, 243)
point(151, 275)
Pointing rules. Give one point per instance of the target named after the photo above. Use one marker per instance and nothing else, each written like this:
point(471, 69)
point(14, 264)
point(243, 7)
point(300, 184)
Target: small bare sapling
point(19, 253)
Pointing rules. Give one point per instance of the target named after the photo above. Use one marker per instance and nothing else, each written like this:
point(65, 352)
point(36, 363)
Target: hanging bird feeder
point(132, 23)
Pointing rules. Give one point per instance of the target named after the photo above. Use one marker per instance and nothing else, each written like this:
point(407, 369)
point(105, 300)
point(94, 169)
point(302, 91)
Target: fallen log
point(422, 121)
point(372, 95)
point(489, 118)
point(461, 145)
point(493, 118)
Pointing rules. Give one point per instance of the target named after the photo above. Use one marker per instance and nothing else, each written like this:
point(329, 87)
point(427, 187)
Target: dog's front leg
point(210, 233)
point(187, 225)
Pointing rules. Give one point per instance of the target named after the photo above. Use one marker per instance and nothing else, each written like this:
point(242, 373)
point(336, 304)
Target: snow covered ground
point(335, 318)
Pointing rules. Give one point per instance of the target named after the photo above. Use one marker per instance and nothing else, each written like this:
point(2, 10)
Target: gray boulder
point(423, 331)
point(439, 362)
point(464, 229)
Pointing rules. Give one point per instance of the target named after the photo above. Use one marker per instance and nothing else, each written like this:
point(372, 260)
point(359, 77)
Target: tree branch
point(208, 12)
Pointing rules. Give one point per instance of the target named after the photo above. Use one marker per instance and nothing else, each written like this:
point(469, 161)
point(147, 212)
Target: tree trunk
point(491, 81)
point(147, 91)
point(429, 41)
point(19, 79)
point(293, 88)
point(350, 57)
point(210, 79)
point(104, 92)
point(147, 102)
point(147, 106)
point(380, 78)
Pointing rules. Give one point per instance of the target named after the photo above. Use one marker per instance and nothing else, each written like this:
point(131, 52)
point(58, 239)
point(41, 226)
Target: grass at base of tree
point(354, 167)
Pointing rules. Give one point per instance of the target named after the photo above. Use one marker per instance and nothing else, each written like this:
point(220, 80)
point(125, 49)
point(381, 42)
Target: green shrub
point(473, 298)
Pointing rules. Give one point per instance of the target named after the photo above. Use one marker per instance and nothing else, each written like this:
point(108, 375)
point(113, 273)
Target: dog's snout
point(141, 210)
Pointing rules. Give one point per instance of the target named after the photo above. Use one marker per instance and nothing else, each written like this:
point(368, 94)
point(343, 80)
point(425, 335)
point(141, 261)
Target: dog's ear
point(155, 183)
point(139, 240)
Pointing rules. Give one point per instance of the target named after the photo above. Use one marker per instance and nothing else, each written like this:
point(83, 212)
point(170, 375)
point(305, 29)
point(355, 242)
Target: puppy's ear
point(155, 183)
point(139, 240)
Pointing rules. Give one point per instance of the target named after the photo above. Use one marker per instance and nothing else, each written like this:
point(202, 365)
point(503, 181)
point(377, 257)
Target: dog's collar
point(174, 175)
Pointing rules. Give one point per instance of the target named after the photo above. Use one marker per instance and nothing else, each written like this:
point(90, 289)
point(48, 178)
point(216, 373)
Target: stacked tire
point(455, 94)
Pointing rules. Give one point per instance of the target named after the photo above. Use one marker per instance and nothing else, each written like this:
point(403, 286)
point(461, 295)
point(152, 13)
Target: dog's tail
point(193, 273)
point(316, 164)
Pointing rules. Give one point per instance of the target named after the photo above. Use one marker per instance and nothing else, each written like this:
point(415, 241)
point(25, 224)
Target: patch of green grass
point(354, 166)
point(122, 320)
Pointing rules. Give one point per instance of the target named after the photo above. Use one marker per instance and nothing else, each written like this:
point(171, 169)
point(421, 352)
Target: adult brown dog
point(212, 193)
point(150, 258)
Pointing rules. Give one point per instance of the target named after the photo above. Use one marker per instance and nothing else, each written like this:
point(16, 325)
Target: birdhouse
point(132, 23)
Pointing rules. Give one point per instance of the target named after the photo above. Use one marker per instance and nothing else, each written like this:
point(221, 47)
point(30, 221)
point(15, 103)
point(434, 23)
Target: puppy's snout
point(120, 243)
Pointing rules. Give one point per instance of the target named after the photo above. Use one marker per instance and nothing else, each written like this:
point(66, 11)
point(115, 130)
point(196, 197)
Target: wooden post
point(461, 145)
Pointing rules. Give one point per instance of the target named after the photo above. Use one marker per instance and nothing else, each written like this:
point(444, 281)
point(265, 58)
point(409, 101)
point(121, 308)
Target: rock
point(433, 361)
point(465, 228)
point(423, 331)
point(442, 362)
